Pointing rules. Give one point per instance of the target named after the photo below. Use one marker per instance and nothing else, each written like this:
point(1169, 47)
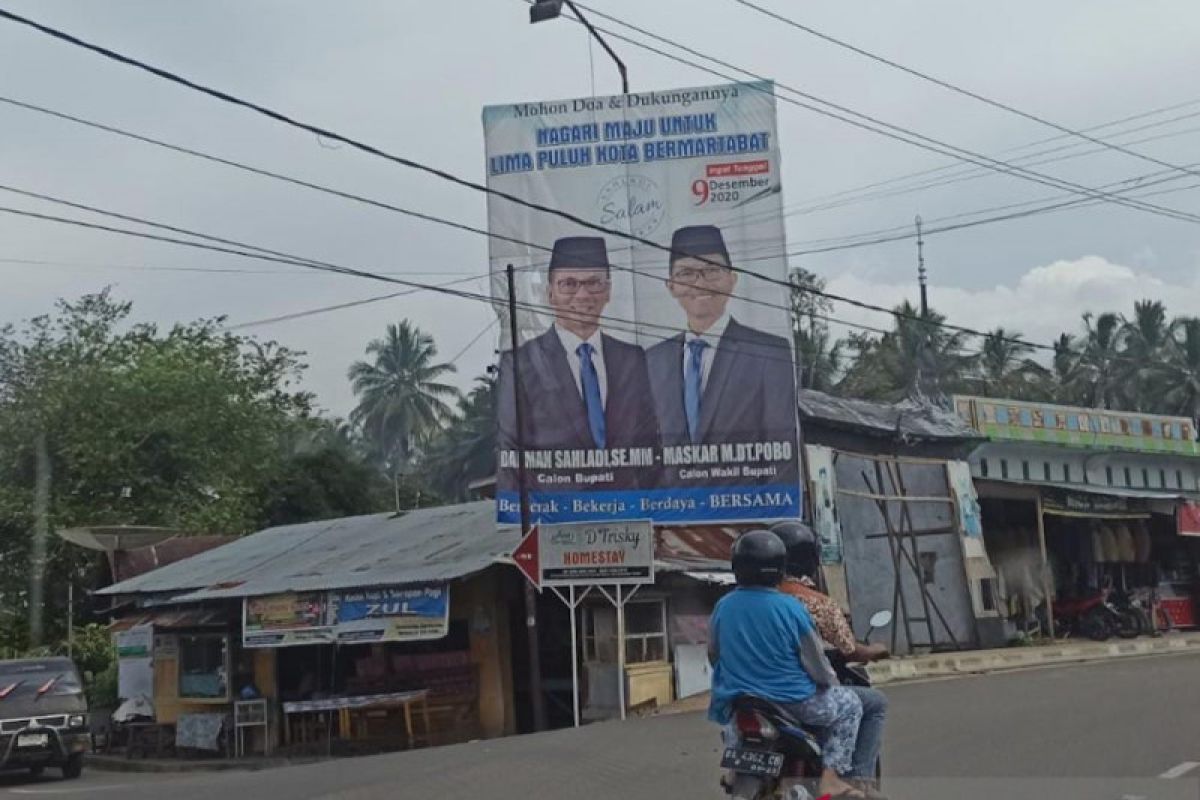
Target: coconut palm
point(1144, 340)
point(1096, 379)
point(1180, 371)
point(466, 448)
point(401, 399)
point(1004, 368)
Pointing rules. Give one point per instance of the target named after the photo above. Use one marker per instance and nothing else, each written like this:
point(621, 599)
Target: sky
point(413, 77)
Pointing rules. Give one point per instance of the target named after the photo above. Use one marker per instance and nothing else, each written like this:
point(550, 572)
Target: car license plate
point(753, 762)
point(33, 740)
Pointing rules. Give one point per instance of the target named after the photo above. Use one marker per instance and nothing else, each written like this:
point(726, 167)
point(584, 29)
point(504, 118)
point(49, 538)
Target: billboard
point(381, 614)
point(656, 374)
point(392, 614)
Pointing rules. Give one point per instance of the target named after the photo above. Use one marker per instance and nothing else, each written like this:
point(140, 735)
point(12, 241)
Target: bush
point(102, 689)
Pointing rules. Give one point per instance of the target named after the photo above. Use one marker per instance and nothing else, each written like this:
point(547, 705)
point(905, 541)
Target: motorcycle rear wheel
point(1096, 627)
point(746, 787)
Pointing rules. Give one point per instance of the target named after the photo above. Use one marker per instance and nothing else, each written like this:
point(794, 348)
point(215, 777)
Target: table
point(347, 707)
point(251, 714)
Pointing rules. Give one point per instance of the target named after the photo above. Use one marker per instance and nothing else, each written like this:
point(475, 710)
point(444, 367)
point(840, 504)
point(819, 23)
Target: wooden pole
point(1041, 527)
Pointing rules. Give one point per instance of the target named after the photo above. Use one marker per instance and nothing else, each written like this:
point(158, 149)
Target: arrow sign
point(527, 558)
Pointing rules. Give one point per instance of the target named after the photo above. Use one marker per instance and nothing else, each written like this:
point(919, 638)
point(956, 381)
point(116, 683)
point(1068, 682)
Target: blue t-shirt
point(758, 633)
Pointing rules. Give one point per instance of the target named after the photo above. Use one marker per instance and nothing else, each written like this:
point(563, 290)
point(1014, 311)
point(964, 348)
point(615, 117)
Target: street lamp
point(543, 10)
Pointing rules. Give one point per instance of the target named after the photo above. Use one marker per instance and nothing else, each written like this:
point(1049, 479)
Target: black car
point(43, 716)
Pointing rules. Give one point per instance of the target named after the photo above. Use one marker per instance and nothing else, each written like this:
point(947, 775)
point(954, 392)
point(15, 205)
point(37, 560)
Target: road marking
point(1180, 770)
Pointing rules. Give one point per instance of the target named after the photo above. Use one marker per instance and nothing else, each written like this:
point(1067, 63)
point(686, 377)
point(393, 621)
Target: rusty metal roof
point(429, 545)
point(907, 419)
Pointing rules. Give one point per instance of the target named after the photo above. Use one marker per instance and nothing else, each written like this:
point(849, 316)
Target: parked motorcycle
point(774, 757)
point(1096, 617)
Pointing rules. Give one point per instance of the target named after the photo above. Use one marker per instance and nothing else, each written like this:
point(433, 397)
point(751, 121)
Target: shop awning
point(172, 620)
point(1074, 500)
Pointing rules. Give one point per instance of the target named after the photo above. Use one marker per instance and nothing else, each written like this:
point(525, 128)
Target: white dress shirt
point(570, 343)
point(713, 337)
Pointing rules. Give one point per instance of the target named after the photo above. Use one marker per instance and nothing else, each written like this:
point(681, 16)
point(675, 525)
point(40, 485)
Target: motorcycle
point(771, 755)
point(1096, 617)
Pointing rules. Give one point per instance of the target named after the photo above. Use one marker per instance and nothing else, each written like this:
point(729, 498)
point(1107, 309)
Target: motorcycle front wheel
point(1096, 627)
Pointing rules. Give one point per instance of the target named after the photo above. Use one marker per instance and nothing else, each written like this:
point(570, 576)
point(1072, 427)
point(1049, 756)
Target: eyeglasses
point(591, 285)
point(695, 274)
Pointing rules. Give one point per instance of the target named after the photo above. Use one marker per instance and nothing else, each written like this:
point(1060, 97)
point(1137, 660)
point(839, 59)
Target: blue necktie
point(693, 385)
point(592, 400)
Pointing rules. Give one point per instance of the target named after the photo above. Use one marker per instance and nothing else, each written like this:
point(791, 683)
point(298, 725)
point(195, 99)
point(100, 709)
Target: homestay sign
point(585, 553)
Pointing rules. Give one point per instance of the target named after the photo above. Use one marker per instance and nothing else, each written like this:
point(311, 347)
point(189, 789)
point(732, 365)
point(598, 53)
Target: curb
point(107, 763)
point(921, 667)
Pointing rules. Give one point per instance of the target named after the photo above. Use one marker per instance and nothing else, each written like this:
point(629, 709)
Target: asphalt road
point(1107, 730)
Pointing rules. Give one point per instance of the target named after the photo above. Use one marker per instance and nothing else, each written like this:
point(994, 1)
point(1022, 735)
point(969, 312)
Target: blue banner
point(392, 614)
point(663, 506)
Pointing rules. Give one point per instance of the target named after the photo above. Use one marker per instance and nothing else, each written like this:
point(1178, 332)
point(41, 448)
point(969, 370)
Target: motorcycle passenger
point(800, 581)
point(763, 643)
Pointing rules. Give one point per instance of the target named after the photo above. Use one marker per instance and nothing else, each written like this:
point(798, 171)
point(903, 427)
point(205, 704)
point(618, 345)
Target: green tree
point(402, 400)
point(918, 358)
point(1004, 368)
point(1144, 341)
point(1180, 371)
point(1096, 378)
point(122, 423)
point(465, 450)
point(818, 355)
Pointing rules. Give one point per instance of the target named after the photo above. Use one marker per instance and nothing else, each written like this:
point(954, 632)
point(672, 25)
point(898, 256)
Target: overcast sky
point(412, 77)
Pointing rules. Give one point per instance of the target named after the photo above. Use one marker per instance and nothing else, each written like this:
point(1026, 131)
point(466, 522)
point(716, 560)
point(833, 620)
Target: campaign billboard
point(656, 373)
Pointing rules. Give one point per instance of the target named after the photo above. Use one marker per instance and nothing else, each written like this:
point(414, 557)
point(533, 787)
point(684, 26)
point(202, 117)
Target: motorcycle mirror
point(881, 619)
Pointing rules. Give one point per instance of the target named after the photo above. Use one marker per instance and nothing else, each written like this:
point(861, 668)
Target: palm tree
point(1181, 368)
point(818, 356)
point(1005, 370)
point(918, 358)
point(1096, 379)
point(466, 448)
point(401, 400)
point(1144, 338)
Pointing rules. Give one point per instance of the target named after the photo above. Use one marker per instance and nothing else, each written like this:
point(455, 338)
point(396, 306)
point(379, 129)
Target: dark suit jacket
point(555, 417)
point(750, 395)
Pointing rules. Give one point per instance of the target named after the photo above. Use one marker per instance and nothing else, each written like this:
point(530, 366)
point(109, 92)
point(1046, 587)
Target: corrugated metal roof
point(428, 545)
point(1089, 488)
point(908, 419)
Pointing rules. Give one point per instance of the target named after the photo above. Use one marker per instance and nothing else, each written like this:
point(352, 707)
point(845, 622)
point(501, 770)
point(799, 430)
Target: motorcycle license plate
point(33, 740)
point(753, 762)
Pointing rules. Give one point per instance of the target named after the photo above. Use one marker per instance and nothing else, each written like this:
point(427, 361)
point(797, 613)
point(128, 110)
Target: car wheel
point(73, 767)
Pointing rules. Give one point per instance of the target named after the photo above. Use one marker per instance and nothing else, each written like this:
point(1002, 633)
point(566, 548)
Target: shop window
point(1004, 468)
point(645, 632)
point(1108, 475)
point(1128, 477)
point(1025, 470)
point(1066, 473)
point(983, 467)
point(1046, 471)
point(204, 667)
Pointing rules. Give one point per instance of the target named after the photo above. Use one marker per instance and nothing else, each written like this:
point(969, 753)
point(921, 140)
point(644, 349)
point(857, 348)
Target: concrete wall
point(869, 567)
point(479, 601)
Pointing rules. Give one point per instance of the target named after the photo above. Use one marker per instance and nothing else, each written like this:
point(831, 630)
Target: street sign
point(589, 553)
point(526, 557)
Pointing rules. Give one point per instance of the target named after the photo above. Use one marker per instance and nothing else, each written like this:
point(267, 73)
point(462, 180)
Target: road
point(1105, 730)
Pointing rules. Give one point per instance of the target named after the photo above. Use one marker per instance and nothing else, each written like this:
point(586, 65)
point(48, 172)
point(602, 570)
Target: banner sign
point(392, 615)
point(135, 662)
point(656, 381)
point(1187, 518)
point(387, 614)
point(280, 620)
point(823, 489)
point(584, 553)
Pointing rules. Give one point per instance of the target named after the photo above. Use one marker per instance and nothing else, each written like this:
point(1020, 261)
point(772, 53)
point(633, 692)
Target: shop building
point(1076, 501)
point(892, 500)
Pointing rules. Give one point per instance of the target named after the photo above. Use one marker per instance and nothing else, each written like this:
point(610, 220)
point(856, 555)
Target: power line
point(41, 262)
point(964, 92)
point(474, 339)
point(820, 202)
point(638, 327)
point(455, 179)
point(869, 123)
point(340, 306)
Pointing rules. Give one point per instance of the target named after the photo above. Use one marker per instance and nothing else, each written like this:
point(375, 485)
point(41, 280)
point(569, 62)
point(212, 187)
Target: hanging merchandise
point(1108, 539)
point(1126, 549)
point(1142, 544)
point(1097, 544)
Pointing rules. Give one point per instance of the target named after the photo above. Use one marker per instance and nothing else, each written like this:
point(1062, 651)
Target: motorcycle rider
point(803, 568)
point(763, 643)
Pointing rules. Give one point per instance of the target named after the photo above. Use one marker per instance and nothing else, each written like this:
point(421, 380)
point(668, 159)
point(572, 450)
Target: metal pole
point(574, 657)
point(621, 650)
point(596, 35)
point(921, 275)
point(70, 620)
point(1041, 522)
point(537, 701)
